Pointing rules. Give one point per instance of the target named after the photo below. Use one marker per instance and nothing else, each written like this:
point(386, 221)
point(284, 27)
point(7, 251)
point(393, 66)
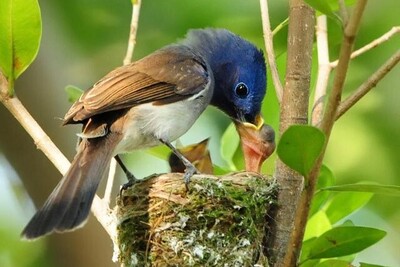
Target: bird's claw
point(189, 172)
point(131, 181)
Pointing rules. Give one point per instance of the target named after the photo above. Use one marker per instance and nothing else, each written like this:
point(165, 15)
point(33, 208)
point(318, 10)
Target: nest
point(220, 221)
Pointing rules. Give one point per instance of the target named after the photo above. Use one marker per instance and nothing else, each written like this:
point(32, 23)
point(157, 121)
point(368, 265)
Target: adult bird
point(153, 101)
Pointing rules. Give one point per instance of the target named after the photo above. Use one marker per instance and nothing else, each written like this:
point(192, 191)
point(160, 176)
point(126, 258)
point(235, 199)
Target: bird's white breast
point(147, 123)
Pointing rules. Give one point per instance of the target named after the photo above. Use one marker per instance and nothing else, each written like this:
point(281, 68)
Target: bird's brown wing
point(170, 74)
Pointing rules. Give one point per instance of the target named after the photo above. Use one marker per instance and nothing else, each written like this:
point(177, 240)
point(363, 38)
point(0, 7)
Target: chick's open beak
point(258, 142)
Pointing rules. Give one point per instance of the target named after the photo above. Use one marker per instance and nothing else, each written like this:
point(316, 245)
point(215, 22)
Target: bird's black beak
point(258, 142)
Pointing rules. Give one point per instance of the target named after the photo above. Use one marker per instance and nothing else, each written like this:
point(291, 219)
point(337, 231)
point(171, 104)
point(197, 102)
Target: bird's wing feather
point(170, 74)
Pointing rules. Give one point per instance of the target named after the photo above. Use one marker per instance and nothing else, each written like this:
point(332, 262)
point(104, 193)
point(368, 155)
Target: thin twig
point(324, 70)
point(269, 47)
point(350, 33)
point(110, 181)
point(127, 60)
point(100, 207)
point(133, 31)
point(44, 143)
point(368, 84)
point(344, 14)
point(280, 26)
point(371, 45)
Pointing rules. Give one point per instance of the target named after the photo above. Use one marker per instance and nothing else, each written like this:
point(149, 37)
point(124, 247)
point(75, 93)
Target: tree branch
point(132, 35)
point(344, 14)
point(100, 207)
point(368, 84)
point(127, 60)
point(350, 33)
point(283, 246)
point(371, 45)
point(328, 119)
point(269, 47)
point(304, 202)
point(44, 143)
point(324, 70)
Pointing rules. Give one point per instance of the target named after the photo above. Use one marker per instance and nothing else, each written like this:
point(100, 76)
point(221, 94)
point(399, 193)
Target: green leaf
point(229, 144)
point(161, 152)
point(390, 190)
point(322, 6)
point(334, 4)
point(73, 93)
point(347, 223)
point(317, 225)
point(300, 146)
point(344, 204)
point(344, 240)
point(305, 251)
point(325, 179)
point(363, 264)
point(21, 29)
point(218, 170)
point(334, 263)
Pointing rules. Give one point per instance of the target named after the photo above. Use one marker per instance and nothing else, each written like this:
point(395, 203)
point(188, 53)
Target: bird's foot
point(131, 181)
point(190, 168)
point(189, 172)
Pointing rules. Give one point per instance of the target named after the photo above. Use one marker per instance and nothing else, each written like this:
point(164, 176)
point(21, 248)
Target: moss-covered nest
point(218, 222)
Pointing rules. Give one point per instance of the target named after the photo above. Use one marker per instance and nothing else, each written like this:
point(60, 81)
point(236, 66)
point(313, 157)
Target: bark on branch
point(283, 247)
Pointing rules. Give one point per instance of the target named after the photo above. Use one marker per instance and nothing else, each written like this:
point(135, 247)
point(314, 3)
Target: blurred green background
point(83, 40)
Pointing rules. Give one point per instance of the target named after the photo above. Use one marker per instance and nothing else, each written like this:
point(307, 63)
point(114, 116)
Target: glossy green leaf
point(334, 4)
point(344, 204)
point(344, 240)
point(305, 251)
point(21, 29)
point(161, 152)
point(317, 225)
point(300, 146)
point(229, 144)
point(325, 179)
point(348, 223)
point(390, 190)
point(73, 93)
point(218, 170)
point(325, 8)
point(334, 263)
point(322, 6)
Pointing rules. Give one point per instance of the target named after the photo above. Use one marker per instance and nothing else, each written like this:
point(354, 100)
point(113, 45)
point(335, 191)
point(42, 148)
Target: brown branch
point(371, 45)
point(344, 14)
point(283, 246)
point(269, 47)
point(368, 84)
point(350, 32)
point(44, 143)
point(324, 70)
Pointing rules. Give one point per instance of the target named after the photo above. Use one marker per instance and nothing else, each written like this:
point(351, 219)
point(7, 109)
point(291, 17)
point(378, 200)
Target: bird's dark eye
point(241, 90)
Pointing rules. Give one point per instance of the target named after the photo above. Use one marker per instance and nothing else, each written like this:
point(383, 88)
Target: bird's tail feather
point(69, 204)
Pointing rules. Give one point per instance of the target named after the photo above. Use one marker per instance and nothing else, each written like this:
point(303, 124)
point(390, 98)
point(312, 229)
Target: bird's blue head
point(239, 72)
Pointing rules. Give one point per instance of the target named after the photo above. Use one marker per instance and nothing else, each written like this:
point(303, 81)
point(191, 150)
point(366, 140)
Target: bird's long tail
point(69, 204)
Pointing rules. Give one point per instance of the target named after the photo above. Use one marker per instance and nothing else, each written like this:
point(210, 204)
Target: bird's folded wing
point(170, 74)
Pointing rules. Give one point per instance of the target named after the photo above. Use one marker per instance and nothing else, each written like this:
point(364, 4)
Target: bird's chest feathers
point(146, 124)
